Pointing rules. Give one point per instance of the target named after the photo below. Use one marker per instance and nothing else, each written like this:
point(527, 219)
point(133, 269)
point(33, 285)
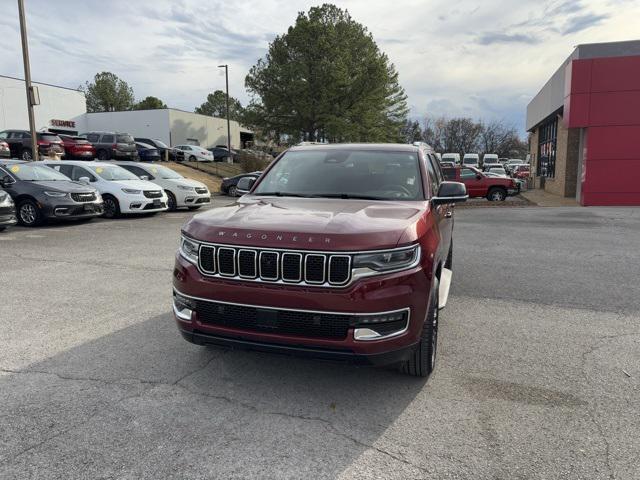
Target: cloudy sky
point(483, 59)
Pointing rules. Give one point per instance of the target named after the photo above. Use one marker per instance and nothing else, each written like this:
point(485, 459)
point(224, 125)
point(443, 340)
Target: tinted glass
point(137, 171)
point(92, 137)
point(449, 173)
point(113, 172)
point(467, 173)
point(107, 139)
point(49, 137)
point(160, 144)
point(164, 172)
point(384, 175)
point(30, 173)
point(124, 139)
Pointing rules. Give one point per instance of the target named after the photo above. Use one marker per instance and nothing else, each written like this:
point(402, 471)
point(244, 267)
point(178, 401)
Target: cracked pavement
point(542, 323)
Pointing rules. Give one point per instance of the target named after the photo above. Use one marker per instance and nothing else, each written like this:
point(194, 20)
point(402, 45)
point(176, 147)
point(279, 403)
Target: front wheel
point(497, 195)
point(192, 158)
point(29, 214)
point(111, 207)
point(423, 360)
point(171, 202)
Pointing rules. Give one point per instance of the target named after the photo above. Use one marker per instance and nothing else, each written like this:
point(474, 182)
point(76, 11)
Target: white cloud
point(477, 58)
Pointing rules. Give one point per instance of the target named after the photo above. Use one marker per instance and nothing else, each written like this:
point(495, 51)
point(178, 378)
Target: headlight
point(390, 260)
point(132, 191)
point(189, 250)
point(5, 200)
point(55, 194)
point(187, 188)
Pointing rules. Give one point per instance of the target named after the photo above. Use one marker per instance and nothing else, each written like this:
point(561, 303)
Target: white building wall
point(193, 128)
point(56, 103)
point(139, 123)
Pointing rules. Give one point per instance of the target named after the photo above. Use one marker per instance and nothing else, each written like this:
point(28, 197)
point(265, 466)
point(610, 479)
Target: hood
point(188, 182)
point(138, 184)
point(64, 186)
point(309, 223)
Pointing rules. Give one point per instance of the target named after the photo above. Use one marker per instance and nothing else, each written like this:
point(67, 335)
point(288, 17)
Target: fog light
point(381, 325)
point(183, 307)
point(135, 205)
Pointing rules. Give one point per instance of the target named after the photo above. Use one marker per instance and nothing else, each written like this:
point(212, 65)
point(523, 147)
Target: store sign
point(63, 123)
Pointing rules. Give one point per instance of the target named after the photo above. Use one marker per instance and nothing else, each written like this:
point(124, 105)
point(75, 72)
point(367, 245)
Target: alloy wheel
point(28, 214)
point(26, 155)
point(110, 208)
point(233, 191)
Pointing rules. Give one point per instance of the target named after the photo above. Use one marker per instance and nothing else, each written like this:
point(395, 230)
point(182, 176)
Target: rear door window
point(93, 137)
point(107, 139)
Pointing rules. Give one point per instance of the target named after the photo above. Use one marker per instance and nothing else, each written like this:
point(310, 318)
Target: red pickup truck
point(480, 185)
point(337, 252)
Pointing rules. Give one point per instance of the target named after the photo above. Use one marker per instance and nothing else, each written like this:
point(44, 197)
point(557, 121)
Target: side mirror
point(7, 181)
point(245, 185)
point(144, 177)
point(85, 180)
point(478, 176)
point(450, 192)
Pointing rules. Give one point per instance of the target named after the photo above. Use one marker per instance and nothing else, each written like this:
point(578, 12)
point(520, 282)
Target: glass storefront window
point(547, 149)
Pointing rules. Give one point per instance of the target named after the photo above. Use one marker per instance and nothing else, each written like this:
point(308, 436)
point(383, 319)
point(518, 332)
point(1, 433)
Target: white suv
point(181, 191)
point(471, 160)
point(121, 190)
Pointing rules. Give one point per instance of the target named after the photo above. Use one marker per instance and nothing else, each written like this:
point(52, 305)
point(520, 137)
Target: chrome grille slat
point(329, 269)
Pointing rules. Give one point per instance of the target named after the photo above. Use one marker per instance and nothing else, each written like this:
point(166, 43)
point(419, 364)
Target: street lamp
point(226, 74)
point(32, 95)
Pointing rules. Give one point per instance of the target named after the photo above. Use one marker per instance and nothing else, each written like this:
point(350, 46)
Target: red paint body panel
point(603, 97)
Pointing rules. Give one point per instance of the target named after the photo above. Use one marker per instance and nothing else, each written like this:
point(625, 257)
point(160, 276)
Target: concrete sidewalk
point(543, 198)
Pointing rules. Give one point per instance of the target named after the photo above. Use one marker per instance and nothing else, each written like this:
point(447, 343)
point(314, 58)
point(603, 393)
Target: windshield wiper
point(348, 196)
point(282, 194)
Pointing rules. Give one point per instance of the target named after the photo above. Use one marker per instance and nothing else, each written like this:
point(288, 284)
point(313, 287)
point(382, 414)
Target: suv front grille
point(310, 268)
point(83, 197)
point(153, 193)
point(284, 322)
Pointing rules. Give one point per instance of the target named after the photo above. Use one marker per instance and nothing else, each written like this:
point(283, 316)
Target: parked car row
point(87, 146)
point(34, 192)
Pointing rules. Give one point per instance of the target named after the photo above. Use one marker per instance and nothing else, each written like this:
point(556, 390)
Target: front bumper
point(8, 216)
point(190, 199)
point(142, 204)
point(398, 291)
point(69, 209)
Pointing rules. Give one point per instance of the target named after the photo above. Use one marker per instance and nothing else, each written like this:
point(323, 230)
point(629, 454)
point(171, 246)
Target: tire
point(192, 158)
point(111, 207)
point(233, 191)
point(497, 194)
point(195, 208)
point(29, 214)
point(423, 360)
point(26, 154)
point(2, 229)
point(171, 202)
point(103, 155)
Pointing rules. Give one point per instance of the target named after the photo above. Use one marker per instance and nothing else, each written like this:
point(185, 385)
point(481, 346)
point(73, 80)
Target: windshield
point(165, 173)
point(124, 139)
point(113, 172)
point(31, 173)
point(335, 173)
point(161, 144)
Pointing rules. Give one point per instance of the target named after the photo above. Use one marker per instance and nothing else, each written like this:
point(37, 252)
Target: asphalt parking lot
point(538, 374)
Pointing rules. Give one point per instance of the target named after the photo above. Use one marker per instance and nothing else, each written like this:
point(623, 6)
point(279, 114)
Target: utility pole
point(31, 95)
point(226, 74)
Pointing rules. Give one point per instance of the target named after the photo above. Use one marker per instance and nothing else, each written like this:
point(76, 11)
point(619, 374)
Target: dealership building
point(64, 110)
point(585, 126)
